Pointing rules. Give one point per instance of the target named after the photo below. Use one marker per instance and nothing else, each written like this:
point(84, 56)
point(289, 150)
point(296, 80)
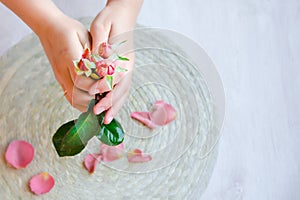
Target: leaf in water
point(71, 138)
point(111, 134)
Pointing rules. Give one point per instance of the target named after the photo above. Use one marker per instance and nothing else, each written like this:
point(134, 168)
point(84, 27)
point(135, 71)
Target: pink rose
point(105, 67)
point(105, 50)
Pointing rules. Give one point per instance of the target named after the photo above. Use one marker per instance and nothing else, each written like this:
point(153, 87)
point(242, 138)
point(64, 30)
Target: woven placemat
point(33, 107)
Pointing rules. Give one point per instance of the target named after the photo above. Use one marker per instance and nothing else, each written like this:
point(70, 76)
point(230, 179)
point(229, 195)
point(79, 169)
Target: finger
point(80, 98)
point(75, 54)
point(118, 99)
point(104, 104)
point(100, 33)
point(80, 108)
point(85, 38)
point(102, 86)
point(68, 95)
point(112, 97)
point(113, 110)
point(82, 82)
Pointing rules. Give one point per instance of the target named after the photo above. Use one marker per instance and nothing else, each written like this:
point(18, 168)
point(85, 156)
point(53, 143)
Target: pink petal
point(144, 118)
point(91, 161)
point(163, 113)
point(110, 70)
point(111, 153)
point(41, 183)
point(86, 54)
point(137, 155)
point(105, 67)
point(19, 154)
point(159, 115)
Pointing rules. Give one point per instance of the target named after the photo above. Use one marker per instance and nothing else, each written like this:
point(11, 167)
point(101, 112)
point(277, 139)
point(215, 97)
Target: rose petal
point(159, 115)
point(111, 153)
point(144, 118)
point(163, 113)
point(91, 161)
point(41, 183)
point(137, 155)
point(105, 67)
point(86, 54)
point(19, 154)
point(110, 70)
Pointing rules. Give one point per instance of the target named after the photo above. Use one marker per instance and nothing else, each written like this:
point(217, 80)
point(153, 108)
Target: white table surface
point(256, 48)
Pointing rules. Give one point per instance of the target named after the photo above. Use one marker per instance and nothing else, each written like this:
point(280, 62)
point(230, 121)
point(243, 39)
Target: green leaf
point(111, 134)
point(75, 63)
point(71, 138)
point(120, 69)
point(122, 58)
point(109, 81)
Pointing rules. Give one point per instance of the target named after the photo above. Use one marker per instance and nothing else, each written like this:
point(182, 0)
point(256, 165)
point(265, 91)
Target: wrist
point(52, 21)
point(133, 6)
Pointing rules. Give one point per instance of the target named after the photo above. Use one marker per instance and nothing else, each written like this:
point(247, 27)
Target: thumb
point(99, 33)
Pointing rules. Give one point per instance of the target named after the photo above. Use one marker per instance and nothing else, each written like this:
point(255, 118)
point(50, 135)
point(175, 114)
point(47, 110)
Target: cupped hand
point(114, 21)
point(63, 41)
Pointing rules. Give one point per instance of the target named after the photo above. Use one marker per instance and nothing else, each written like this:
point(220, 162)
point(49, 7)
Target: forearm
point(133, 6)
point(37, 14)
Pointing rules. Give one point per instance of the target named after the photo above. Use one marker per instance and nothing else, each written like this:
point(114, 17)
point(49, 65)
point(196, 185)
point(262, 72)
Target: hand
point(116, 18)
point(63, 41)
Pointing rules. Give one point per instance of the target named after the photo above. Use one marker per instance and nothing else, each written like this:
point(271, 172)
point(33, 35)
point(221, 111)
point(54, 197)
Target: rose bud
point(105, 50)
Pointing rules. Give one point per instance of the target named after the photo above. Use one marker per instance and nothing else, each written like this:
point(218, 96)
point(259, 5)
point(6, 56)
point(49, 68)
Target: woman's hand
point(63, 41)
point(117, 18)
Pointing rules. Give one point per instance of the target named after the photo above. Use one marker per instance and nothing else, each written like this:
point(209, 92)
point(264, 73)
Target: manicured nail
point(109, 119)
point(100, 110)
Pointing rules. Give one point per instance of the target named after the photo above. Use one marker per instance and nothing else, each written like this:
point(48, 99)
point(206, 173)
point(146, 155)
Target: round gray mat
point(33, 106)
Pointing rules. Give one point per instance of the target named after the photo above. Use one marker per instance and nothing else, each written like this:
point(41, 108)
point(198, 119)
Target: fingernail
point(109, 119)
point(100, 110)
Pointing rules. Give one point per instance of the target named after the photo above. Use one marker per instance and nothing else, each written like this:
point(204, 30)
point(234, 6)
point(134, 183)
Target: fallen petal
point(171, 112)
point(19, 154)
point(91, 161)
point(111, 153)
point(41, 183)
point(137, 155)
point(163, 113)
point(144, 118)
point(159, 115)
